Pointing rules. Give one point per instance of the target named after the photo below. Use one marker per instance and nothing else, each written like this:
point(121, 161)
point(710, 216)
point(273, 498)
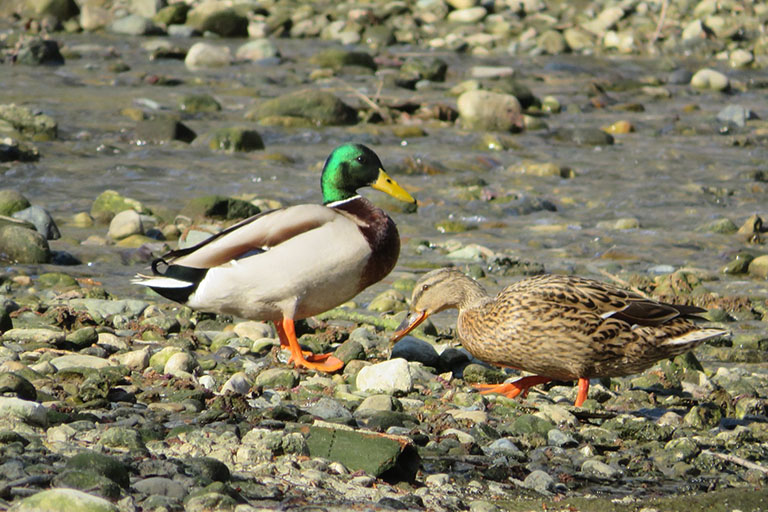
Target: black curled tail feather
point(191, 275)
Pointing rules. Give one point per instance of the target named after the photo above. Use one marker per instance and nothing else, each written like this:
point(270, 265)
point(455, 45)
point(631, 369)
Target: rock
point(321, 108)
point(82, 338)
point(207, 468)
point(124, 438)
point(213, 17)
point(238, 384)
point(12, 201)
point(391, 458)
point(219, 207)
point(584, 136)
point(37, 51)
point(388, 377)
point(160, 486)
point(59, 10)
point(30, 124)
point(503, 447)
point(531, 168)
point(124, 224)
point(181, 364)
point(758, 267)
point(539, 481)
point(198, 103)
point(336, 58)
point(551, 42)
point(79, 361)
point(25, 246)
point(174, 14)
point(483, 110)
point(14, 385)
point(109, 203)
point(34, 336)
point(736, 115)
point(578, 39)
point(424, 68)
point(235, 138)
point(207, 56)
point(600, 469)
point(12, 150)
point(102, 464)
point(257, 49)
point(26, 410)
point(42, 220)
point(710, 79)
point(387, 301)
point(277, 378)
point(134, 25)
point(469, 15)
point(136, 360)
point(330, 410)
point(740, 58)
point(619, 224)
point(163, 129)
point(63, 500)
point(414, 349)
point(350, 350)
point(88, 481)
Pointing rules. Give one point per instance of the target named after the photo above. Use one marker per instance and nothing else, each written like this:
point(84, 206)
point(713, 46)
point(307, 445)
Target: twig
point(621, 281)
point(737, 460)
point(660, 24)
point(383, 113)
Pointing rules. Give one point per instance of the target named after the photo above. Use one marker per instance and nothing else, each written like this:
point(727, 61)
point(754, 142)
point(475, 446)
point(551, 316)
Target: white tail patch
point(161, 282)
point(696, 336)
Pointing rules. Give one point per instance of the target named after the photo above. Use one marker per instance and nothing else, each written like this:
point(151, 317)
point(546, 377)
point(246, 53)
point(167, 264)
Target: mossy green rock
point(101, 464)
point(63, 500)
point(477, 373)
point(427, 68)
point(13, 384)
point(174, 14)
point(197, 103)
point(123, 437)
point(81, 338)
point(57, 280)
point(207, 468)
point(163, 129)
point(530, 424)
point(322, 108)
point(219, 207)
point(224, 22)
point(12, 201)
point(160, 358)
point(21, 245)
point(89, 481)
point(277, 378)
point(110, 202)
point(236, 138)
point(336, 58)
point(29, 124)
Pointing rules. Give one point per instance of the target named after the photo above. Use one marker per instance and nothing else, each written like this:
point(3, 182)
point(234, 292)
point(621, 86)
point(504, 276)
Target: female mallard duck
point(557, 327)
point(296, 262)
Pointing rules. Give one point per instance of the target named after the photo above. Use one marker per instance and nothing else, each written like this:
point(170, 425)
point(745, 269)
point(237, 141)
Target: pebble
point(125, 224)
point(238, 384)
point(26, 410)
point(206, 56)
point(710, 79)
point(387, 377)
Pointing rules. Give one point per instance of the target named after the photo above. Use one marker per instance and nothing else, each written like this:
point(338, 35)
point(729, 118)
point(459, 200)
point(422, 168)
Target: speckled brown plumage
point(560, 327)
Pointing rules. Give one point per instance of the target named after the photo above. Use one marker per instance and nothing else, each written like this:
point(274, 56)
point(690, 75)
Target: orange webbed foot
point(512, 389)
point(320, 362)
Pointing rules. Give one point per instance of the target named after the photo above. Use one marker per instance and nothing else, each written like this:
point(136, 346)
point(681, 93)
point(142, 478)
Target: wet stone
point(321, 108)
point(388, 377)
point(21, 245)
point(12, 201)
point(235, 139)
point(414, 349)
point(164, 129)
point(37, 51)
point(102, 464)
point(88, 481)
point(41, 219)
point(277, 378)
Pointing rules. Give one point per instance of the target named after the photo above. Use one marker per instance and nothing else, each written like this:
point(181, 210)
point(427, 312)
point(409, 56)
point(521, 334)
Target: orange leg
point(513, 389)
point(583, 390)
point(321, 362)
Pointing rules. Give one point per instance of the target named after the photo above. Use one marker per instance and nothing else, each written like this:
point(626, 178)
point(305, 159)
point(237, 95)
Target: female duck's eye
point(424, 287)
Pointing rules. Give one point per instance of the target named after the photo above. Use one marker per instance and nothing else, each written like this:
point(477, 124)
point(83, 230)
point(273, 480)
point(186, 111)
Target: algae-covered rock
point(28, 123)
point(15, 385)
point(20, 245)
point(236, 138)
point(219, 207)
point(37, 51)
point(101, 464)
point(336, 58)
point(322, 108)
point(89, 481)
point(12, 201)
point(163, 129)
point(198, 103)
point(110, 202)
point(223, 21)
point(63, 500)
point(425, 68)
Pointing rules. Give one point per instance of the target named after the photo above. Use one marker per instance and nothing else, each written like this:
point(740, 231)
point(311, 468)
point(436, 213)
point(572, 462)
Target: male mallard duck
point(296, 262)
point(557, 327)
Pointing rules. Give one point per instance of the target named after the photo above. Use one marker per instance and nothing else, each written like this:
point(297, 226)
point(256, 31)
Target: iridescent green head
point(353, 166)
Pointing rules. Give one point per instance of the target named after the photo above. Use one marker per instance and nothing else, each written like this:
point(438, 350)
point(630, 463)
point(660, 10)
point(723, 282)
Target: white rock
point(26, 410)
point(489, 110)
point(180, 365)
point(387, 377)
point(253, 330)
point(257, 49)
point(709, 79)
point(79, 360)
point(437, 480)
point(740, 58)
point(124, 224)
point(468, 15)
point(137, 360)
point(206, 55)
point(207, 382)
point(238, 384)
point(694, 30)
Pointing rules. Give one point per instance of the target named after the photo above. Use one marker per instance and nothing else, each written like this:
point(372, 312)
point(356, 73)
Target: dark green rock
point(174, 14)
point(479, 374)
point(350, 350)
point(163, 129)
point(336, 58)
point(197, 103)
point(425, 68)
point(57, 280)
point(110, 202)
point(9, 436)
point(225, 22)
point(322, 108)
point(20, 245)
point(387, 457)
point(219, 207)
point(13, 384)
point(38, 51)
point(88, 481)
point(530, 424)
point(235, 138)
point(12, 201)
point(101, 464)
point(207, 468)
point(584, 136)
point(81, 338)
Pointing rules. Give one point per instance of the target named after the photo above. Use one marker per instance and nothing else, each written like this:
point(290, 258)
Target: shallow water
point(674, 173)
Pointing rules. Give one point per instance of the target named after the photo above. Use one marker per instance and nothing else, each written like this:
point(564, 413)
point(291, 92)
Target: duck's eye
point(361, 159)
point(424, 287)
